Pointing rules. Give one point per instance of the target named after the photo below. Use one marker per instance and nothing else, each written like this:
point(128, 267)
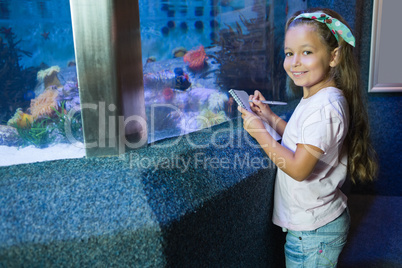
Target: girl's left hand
point(251, 122)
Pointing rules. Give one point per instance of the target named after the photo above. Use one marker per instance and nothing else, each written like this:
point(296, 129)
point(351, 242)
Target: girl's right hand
point(261, 109)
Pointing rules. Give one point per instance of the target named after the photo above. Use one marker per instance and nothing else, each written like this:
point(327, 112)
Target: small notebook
point(241, 97)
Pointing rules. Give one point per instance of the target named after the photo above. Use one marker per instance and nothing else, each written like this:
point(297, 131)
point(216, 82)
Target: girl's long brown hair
point(362, 158)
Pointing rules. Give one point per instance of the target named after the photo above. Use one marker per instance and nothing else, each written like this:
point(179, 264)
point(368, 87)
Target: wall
point(384, 108)
point(385, 118)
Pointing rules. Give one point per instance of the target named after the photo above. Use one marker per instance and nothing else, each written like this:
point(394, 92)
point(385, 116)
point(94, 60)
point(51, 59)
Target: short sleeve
point(322, 126)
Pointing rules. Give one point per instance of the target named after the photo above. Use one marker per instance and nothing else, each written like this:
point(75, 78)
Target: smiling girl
point(325, 140)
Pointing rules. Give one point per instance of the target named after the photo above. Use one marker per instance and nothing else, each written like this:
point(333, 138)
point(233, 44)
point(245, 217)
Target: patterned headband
point(336, 27)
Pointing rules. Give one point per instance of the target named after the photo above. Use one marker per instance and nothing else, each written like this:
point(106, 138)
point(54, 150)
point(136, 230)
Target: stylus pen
point(272, 102)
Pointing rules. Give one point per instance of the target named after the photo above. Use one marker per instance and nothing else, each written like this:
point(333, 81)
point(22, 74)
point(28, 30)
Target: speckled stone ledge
point(203, 199)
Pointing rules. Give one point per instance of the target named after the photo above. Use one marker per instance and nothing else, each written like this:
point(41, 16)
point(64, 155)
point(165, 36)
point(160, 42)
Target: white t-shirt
point(321, 120)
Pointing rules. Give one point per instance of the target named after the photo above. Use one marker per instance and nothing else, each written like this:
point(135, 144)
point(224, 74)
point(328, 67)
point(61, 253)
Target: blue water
point(31, 21)
point(166, 25)
point(45, 29)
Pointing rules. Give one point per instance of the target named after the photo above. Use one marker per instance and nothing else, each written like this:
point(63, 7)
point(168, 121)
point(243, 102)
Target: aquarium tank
point(193, 53)
point(39, 100)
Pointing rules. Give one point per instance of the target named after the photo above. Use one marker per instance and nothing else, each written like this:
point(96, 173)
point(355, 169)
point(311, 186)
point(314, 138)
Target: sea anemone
point(195, 58)
point(43, 104)
point(20, 119)
point(49, 76)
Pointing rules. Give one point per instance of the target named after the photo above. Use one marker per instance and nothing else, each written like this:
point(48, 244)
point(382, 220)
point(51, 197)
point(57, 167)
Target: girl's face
point(307, 60)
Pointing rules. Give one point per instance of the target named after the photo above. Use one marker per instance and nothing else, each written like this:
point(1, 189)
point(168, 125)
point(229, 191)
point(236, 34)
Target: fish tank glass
point(193, 53)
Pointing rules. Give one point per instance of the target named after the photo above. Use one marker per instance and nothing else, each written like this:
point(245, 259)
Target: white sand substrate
point(30, 154)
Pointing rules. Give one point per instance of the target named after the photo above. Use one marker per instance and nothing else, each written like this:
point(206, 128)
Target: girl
point(326, 138)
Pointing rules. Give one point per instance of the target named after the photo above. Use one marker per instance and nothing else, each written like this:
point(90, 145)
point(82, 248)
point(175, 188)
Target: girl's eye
point(306, 52)
point(288, 54)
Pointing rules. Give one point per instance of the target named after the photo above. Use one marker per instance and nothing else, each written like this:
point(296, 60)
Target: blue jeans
point(317, 248)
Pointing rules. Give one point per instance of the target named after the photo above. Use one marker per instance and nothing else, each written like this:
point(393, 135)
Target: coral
point(216, 101)
point(70, 95)
point(208, 118)
point(26, 120)
point(15, 80)
point(195, 58)
point(16, 117)
point(49, 76)
point(43, 73)
point(179, 52)
point(43, 104)
point(20, 119)
point(168, 94)
point(151, 59)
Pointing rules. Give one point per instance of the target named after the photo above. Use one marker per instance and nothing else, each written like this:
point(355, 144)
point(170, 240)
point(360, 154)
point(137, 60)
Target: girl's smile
point(307, 60)
point(298, 74)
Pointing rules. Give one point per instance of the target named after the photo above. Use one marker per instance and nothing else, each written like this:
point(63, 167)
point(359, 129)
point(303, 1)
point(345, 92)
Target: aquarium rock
point(9, 136)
